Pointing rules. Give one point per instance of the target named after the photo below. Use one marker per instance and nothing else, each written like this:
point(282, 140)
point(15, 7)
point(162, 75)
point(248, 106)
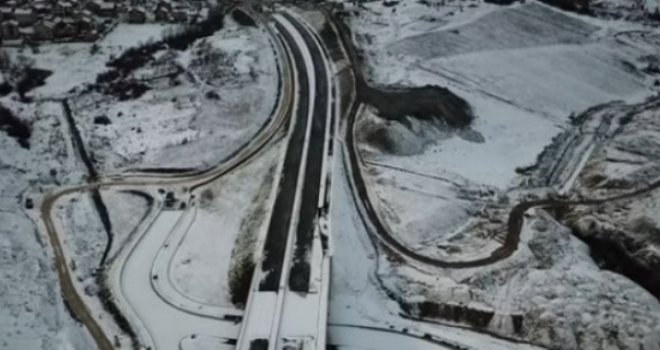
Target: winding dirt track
point(194, 180)
point(69, 294)
point(384, 235)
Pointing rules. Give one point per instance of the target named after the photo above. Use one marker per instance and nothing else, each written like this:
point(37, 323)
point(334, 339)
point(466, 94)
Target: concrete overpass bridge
point(288, 302)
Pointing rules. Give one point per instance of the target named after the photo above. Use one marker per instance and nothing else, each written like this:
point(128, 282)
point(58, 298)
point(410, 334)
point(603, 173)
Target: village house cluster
point(29, 21)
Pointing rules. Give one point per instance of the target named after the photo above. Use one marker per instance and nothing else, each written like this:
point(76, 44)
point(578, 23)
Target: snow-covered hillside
point(526, 70)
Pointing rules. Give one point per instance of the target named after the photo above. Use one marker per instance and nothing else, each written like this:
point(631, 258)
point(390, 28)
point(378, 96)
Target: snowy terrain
point(525, 69)
point(565, 300)
point(35, 316)
point(626, 161)
point(75, 64)
point(358, 297)
point(86, 237)
point(85, 241)
point(126, 211)
point(229, 208)
point(209, 106)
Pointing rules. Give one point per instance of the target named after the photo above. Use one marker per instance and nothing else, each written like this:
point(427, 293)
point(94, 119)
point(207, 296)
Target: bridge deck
point(287, 307)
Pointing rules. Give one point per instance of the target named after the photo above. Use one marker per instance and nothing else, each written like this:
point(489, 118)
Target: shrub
point(5, 89)
point(30, 79)
point(15, 127)
point(243, 18)
point(102, 120)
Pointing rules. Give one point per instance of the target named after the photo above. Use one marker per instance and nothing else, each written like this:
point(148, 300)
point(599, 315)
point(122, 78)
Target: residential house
point(102, 8)
point(25, 16)
point(137, 15)
point(44, 30)
point(165, 3)
point(162, 14)
point(84, 24)
point(107, 9)
point(10, 30)
point(26, 33)
point(82, 14)
point(94, 6)
point(197, 4)
point(180, 14)
point(41, 7)
point(64, 28)
point(63, 8)
point(6, 13)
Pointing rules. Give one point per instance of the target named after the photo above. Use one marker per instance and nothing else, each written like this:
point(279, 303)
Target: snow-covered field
point(228, 208)
point(74, 64)
point(211, 105)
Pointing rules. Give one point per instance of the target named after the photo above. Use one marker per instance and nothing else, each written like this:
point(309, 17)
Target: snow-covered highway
point(294, 273)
